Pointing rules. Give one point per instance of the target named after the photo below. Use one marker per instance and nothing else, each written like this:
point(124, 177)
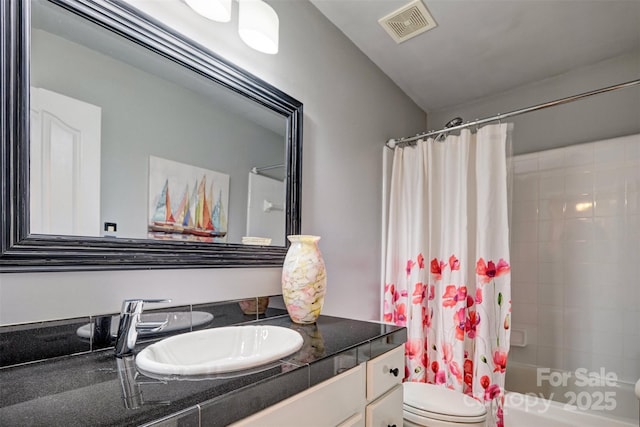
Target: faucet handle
point(133, 306)
point(157, 300)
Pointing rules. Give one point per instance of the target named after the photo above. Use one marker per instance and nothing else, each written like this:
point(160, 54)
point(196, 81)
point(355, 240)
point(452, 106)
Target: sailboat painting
point(187, 202)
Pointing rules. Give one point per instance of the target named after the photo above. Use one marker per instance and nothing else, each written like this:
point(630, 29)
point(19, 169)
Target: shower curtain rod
point(394, 142)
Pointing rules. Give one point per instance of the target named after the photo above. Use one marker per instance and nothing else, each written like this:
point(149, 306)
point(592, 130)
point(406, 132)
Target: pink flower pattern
point(453, 295)
point(436, 268)
point(489, 270)
point(460, 357)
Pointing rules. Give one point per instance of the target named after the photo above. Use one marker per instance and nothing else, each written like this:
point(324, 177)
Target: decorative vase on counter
point(304, 279)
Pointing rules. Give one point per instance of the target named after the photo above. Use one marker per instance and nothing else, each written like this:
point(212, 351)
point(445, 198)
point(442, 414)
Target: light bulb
point(216, 10)
point(258, 26)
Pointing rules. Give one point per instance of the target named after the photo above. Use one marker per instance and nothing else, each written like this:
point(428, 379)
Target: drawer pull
point(391, 425)
point(395, 373)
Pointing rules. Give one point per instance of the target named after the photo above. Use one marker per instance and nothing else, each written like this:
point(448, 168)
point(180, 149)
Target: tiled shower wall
point(575, 239)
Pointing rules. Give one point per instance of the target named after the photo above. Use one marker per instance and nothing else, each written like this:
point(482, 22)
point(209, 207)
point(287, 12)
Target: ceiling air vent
point(408, 21)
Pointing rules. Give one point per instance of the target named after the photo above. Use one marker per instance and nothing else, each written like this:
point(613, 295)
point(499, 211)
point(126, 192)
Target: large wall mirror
point(125, 145)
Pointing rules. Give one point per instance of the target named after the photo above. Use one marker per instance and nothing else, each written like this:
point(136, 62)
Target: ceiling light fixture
point(258, 26)
point(216, 10)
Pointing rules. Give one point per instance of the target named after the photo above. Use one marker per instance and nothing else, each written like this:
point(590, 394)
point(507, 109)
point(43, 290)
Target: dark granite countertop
point(92, 390)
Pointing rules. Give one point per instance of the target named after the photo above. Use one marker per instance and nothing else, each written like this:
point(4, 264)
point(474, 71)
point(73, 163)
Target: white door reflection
point(64, 165)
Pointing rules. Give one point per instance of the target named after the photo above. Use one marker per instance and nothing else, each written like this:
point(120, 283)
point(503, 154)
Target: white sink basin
point(218, 350)
point(176, 321)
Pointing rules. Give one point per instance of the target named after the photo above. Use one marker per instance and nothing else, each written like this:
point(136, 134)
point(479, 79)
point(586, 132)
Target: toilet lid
point(431, 400)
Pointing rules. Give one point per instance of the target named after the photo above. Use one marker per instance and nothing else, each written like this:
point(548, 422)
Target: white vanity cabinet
point(333, 402)
point(384, 389)
point(369, 395)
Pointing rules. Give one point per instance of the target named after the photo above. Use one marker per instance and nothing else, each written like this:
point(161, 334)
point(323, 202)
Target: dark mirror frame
point(24, 252)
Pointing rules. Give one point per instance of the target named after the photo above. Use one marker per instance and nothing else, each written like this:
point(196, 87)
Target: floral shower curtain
point(447, 274)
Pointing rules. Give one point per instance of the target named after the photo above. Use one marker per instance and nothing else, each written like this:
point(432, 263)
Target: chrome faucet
point(130, 324)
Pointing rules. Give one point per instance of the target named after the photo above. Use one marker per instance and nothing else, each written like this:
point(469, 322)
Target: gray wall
point(591, 119)
point(350, 109)
point(144, 115)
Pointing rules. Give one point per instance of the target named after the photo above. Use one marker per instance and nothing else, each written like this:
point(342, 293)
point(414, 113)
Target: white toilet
point(428, 405)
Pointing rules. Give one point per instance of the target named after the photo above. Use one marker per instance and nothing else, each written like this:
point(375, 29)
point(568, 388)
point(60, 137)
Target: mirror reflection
point(126, 143)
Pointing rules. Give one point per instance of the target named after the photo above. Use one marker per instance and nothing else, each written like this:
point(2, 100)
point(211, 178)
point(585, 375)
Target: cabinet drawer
point(384, 372)
point(326, 404)
point(387, 410)
point(356, 420)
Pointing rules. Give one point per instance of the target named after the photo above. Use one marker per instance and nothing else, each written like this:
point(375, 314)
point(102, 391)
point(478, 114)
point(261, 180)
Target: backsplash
point(43, 340)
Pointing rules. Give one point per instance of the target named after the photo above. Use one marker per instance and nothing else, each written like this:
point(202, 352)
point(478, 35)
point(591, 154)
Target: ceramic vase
point(304, 279)
point(254, 305)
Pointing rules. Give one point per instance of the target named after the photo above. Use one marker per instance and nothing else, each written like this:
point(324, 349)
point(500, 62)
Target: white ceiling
point(484, 47)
